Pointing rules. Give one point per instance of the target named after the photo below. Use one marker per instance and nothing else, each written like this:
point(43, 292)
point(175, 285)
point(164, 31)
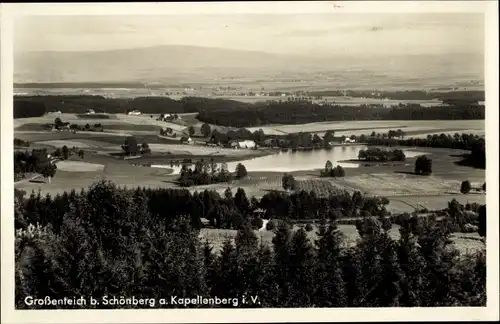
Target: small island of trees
point(377, 154)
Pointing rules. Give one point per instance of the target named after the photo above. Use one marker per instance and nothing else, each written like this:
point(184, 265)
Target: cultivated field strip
point(322, 188)
point(379, 126)
point(401, 184)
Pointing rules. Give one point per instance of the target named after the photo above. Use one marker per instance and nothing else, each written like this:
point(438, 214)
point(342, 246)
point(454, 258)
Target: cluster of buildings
point(246, 144)
point(169, 117)
point(349, 141)
point(65, 126)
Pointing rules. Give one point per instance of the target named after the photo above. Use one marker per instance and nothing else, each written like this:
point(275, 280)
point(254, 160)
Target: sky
point(304, 34)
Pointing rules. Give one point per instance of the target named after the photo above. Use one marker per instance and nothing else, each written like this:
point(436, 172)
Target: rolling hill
point(165, 64)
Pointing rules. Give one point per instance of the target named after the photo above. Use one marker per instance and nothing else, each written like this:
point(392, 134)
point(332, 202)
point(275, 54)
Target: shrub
point(257, 223)
point(308, 227)
point(423, 165)
point(288, 182)
point(465, 187)
point(469, 228)
point(241, 171)
point(270, 226)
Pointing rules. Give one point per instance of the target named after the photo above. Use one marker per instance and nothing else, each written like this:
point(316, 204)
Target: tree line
point(118, 242)
point(473, 143)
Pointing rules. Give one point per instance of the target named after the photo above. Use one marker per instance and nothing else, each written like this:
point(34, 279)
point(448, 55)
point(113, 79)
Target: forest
point(239, 114)
point(301, 112)
point(110, 241)
point(31, 106)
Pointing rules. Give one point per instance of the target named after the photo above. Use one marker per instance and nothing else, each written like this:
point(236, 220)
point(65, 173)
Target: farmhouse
point(65, 127)
point(168, 117)
point(246, 144)
point(349, 140)
point(61, 127)
point(165, 117)
point(187, 140)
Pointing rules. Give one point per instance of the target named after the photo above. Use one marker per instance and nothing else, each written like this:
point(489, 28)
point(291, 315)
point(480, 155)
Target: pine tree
point(241, 201)
point(368, 254)
point(265, 288)
point(210, 264)
point(247, 259)
point(330, 290)
point(227, 282)
point(282, 255)
point(412, 264)
point(301, 271)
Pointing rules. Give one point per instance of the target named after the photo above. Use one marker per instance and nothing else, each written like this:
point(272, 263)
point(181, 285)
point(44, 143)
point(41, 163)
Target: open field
point(144, 124)
point(118, 121)
point(378, 126)
point(466, 131)
point(216, 237)
point(409, 203)
point(68, 143)
point(120, 124)
point(322, 188)
point(77, 166)
point(397, 184)
point(120, 172)
point(71, 118)
point(106, 138)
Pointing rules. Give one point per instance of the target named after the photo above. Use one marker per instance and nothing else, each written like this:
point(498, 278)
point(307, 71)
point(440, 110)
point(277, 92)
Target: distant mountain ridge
point(172, 63)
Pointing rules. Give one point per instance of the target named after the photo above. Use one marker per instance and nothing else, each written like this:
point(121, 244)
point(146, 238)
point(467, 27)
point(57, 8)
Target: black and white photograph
point(249, 156)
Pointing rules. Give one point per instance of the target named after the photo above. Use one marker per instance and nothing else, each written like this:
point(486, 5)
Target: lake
point(299, 160)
